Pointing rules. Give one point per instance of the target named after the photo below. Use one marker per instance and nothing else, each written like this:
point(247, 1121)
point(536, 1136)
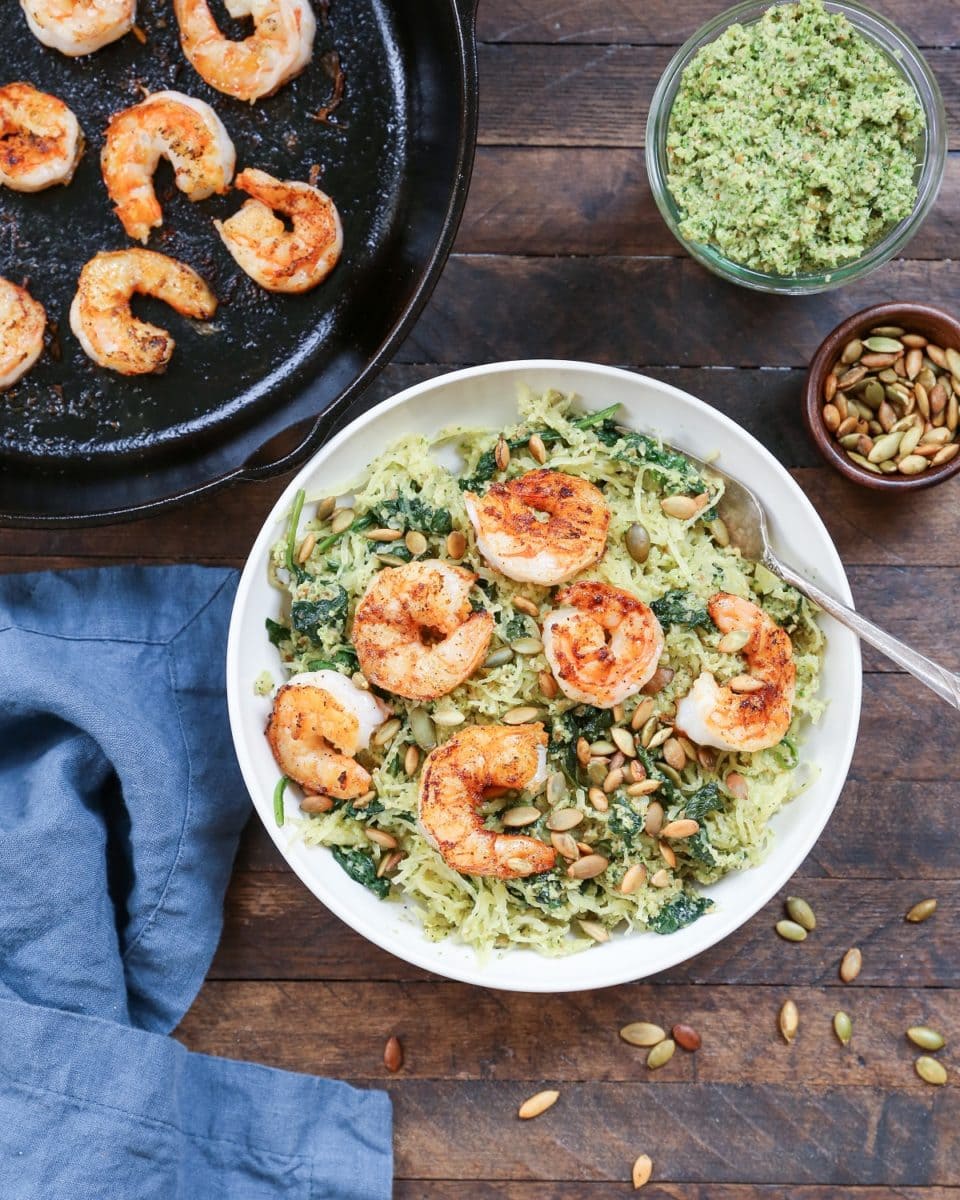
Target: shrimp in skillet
point(168, 125)
point(320, 720)
point(76, 27)
point(753, 711)
point(22, 322)
point(100, 315)
point(279, 259)
point(415, 632)
point(40, 139)
point(514, 540)
point(279, 48)
point(602, 643)
point(452, 785)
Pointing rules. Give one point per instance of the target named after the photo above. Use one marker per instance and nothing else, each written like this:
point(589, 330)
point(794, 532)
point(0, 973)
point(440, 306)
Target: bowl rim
point(915, 69)
point(823, 361)
point(702, 935)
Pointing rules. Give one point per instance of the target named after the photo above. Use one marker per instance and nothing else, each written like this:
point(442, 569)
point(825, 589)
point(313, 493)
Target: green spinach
point(679, 912)
point(678, 607)
point(308, 616)
point(277, 633)
point(624, 821)
point(361, 868)
point(410, 512)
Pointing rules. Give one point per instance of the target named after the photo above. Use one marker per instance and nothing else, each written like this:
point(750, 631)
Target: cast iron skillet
point(257, 390)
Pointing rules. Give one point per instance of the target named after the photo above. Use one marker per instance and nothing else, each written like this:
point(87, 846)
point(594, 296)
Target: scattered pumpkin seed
point(564, 818)
point(734, 641)
point(411, 759)
point(538, 451)
point(717, 529)
point(523, 814)
point(537, 1104)
point(456, 544)
point(641, 1171)
point(499, 657)
point(931, 1071)
point(653, 818)
point(800, 911)
point(641, 714)
point(683, 508)
point(527, 645)
point(393, 1054)
point(843, 1028)
point(316, 804)
point(789, 1020)
point(501, 453)
point(556, 788)
point(595, 930)
point(588, 867)
point(381, 837)
point(325, 508)
point(305, 548)
point(520, 716)
point(447, 718)
point(883, 345)
point(633, 879)
point(850, 965)
point(791, 931)
point(686, 1037)
point(851, 352)
point(922, 911)
point(421, 726)
point(565, 845)
point(637, 541)
point(926, 1038)
point(342, 520)
point(661, 878)
point(624, 741)
point(683, 828)
point(661, 1054)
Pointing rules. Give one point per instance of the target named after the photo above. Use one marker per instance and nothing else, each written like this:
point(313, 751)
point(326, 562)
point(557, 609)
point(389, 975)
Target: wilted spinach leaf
point(362, 814)
point(681, 911)
point(307, 616)
point(624, 821)
point(410, 512)
point(545, 889)
point(678, 607)
point(360, 867)
point(276, 632)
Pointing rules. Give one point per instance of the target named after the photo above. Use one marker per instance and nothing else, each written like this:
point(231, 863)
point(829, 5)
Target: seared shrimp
point(76, 27)
point(22, 322)
point(278, 49)
point(278, 259)
point(415, 632)
point(514, 540)
point(319, 721)
point(755, 711)
point(40, 139)
point(100, 315)
point(168, 125)
point(452, 785)
point(602, 643)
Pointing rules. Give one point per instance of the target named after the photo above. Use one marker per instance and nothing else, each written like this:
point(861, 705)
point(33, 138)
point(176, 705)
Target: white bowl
point(486, 396)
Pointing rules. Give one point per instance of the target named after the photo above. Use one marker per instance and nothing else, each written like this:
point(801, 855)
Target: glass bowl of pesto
point(802, 150)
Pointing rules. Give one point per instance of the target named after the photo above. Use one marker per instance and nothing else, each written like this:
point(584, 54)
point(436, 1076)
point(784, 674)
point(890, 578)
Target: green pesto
point(792, 142)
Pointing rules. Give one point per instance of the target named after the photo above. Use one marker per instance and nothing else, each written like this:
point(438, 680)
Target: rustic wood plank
point(574, 200)
point(486, 1189)
point(669, 22)
point(569, 1038)
point(275, 929)
point(599, 95)
point(655, 311)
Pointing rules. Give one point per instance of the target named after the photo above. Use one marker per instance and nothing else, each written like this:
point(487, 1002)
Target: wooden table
point(562, 253)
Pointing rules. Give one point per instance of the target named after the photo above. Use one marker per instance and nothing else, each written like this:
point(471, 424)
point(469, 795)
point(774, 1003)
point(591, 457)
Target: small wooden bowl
point(939, 327)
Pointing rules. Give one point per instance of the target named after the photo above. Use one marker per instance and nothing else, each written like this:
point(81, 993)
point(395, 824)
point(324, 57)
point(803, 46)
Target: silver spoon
point(746, 521)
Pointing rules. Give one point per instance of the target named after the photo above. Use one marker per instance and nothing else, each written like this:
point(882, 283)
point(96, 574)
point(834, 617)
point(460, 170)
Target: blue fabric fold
point(120, 810)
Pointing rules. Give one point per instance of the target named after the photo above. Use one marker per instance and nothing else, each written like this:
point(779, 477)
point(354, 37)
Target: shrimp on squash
point(320, 721)
point(514, 539)
point(751, 712)
point(279, 259)
point(77, 27)
point(40, 139)
point(452, 785)
point(168, 125)
point(22, 322)
point(100, 315)
point(602, 643)
point(279, 48)
point(415, 632)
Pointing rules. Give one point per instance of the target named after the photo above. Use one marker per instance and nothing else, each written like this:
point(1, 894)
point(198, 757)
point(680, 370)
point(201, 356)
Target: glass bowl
point(932, 152)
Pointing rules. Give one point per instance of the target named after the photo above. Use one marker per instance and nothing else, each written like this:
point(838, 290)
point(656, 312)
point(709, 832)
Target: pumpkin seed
point(633, 879)
point(661, 1054)
point(873, 394)
point(843, 1028)
point(364, 800)
point(913, 464)
point(953, 413)
point(556, 788)
point(447, 718)
point(734, 641)
point(641, 714)
point(305, 548)
point(637, 541)
point(381, 837)
point(342, 520)
point(789, 1020)
point(893, 331)
point(667, 854)
point(613, 780)
point(800, 911)
point(548, 685)
point(683, 508)
point(360, 680)
point(922, 911)
point(501, 453)
point(588, 867)
point(583, 751)
point(643, 787)
point(926, 1038)
point(624, 741)
point(910, 440)
point(851, 352)
point(641, 1171)
point(527, 645)
point(883, 345)
point(674, 754)
point(525, 605)
point(415, 542)
point(661, 878)
point(671, 774)
point(683, 828)
point(936, 355)
point(658, 681)
point(743, 684)
point(316, 804)
point(791, 931)
point(913, 363)
point(565, 845)
point(456, 544)
point(562, 819)
point(383, 535)
point(411, 759)
point(931, 1071)
point(914, 339)
point(643, 1033)
point(653, 818)
point(953, 360)
point(538, 451)
point(595, 930)
point(393, 1054)
point(717, 528)
point(660, 737)
point(498, 657)
point(850, 441)
point(387, 732)
point(686, 1037)
point(851, 964)
point(422, 728)
point(537, 1105)
point(519, 716)
point(874, 359)
point(851, 377)
point(862, 462)
point(884, 447)
point(516, 818)
point(325, 508)
point(390, 560)
point(602, 748)
point(736, 785)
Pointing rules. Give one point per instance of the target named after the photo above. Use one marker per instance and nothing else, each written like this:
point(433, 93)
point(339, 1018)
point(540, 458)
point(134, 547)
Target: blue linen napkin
point(120, 809)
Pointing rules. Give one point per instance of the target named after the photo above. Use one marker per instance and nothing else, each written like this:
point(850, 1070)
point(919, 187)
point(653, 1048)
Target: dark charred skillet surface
point(67, 411)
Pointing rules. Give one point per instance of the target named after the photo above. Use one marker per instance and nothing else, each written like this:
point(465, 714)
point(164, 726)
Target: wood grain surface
point(562, 253)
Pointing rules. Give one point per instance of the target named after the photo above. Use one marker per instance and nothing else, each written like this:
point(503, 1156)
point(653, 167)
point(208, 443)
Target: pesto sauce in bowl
point(792, 142)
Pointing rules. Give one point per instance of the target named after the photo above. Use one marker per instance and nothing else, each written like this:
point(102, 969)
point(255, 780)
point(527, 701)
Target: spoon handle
point(937, 678)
